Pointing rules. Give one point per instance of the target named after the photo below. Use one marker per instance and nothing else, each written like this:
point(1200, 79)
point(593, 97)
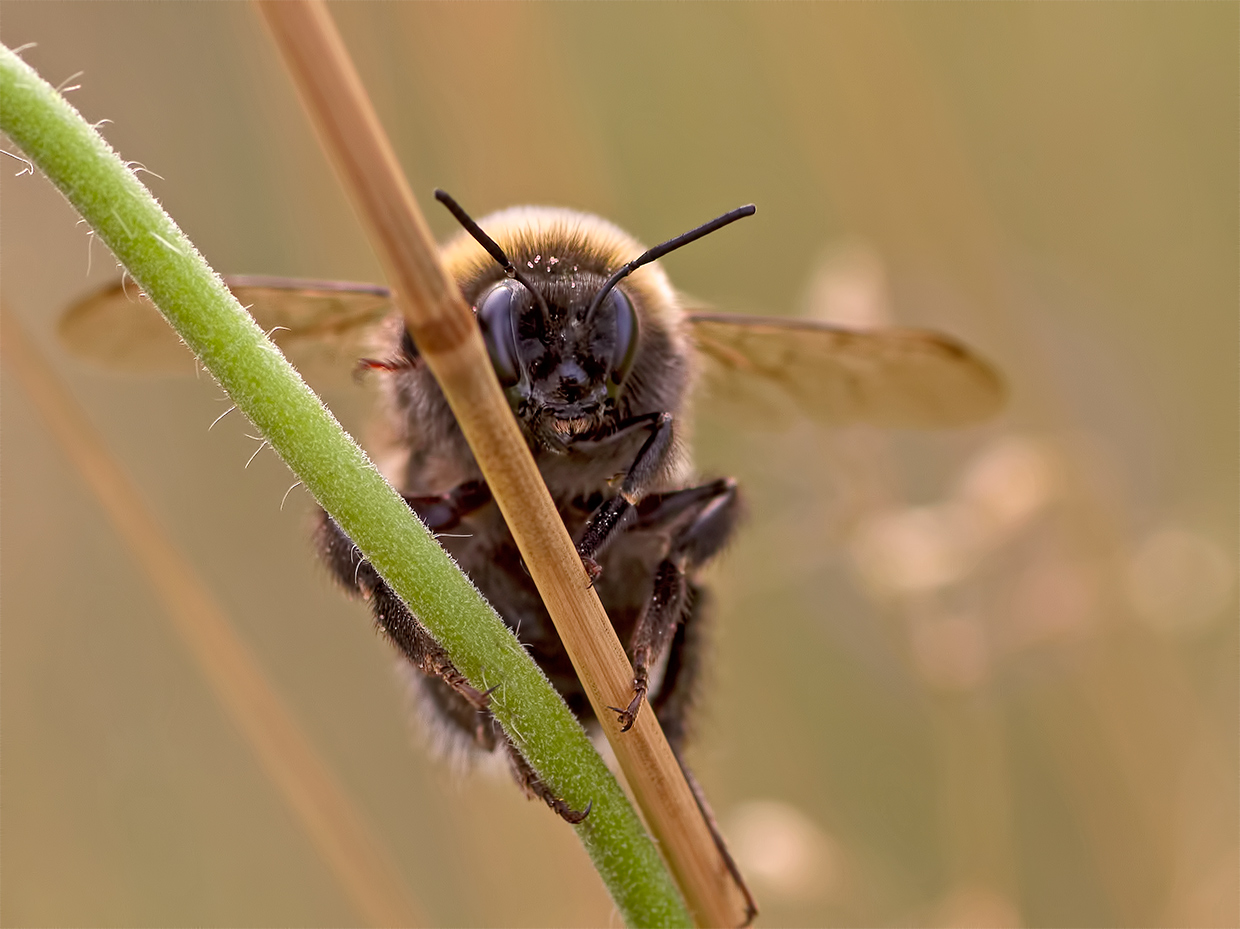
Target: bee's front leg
point(445, 511)
point(607, 518)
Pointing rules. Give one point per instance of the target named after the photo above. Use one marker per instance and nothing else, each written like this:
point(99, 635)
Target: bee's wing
point(322, 326)
point(888, 377)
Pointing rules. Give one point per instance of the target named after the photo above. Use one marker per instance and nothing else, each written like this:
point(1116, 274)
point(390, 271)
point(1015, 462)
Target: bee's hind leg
point(673, 703)
point(534, 787)
point(751, 907)
point(357, 576)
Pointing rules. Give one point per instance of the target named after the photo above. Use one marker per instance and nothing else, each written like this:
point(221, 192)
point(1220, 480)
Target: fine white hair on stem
point(90, 241)
point(286, 493)
point(273, 328)
point(29, 167)
point(25, 48)
point(171, 246)
point(62, 89)
point(136, 166)
point(218, 418)
point(103, 122)
point(119, 219)
point(256, 451)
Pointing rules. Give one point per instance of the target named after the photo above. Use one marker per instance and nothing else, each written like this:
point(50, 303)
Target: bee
point(598, 356)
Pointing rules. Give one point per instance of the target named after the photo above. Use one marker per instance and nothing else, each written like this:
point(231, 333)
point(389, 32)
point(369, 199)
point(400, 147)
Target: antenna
point(492, 248)
point(670, 245)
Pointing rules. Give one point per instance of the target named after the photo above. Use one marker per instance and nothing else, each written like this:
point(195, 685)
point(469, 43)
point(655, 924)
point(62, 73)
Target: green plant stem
point(337, 472)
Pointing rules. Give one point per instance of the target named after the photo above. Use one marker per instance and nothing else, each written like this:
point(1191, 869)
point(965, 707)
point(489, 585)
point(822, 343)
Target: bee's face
point(572, 372)
point(563, 367)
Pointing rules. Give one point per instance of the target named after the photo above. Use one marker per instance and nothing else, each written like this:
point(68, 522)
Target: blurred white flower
point(1053, 598)
point(920, 548)
point(973, 906)
point(951, 652)
point(924, 548)
point(1009, 482)
point(1179, 581)
point(849, 288)
point(783, 852)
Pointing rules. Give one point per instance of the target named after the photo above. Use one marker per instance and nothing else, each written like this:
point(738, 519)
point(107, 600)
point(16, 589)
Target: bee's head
point(561, 359)
point(564, 344)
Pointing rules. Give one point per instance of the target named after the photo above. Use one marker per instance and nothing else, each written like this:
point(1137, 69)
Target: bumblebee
point(599, 357)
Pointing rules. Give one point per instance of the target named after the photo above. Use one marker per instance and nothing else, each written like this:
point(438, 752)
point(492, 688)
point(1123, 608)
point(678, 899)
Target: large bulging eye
point(498, 320)
point(626, 335)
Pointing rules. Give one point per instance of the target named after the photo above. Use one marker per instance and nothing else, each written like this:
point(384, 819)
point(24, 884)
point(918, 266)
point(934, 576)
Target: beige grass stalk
point(443, 328)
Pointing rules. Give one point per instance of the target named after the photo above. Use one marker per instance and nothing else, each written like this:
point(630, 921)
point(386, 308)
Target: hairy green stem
point(337, 472)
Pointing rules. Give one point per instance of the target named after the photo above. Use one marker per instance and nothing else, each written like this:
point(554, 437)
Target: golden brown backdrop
point(987, 678)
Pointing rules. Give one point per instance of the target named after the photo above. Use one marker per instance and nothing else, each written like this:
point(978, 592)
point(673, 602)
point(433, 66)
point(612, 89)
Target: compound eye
point(497, 316)
point(626, 335)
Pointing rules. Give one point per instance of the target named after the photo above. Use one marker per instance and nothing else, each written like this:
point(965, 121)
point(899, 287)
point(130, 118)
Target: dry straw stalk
point(443, 328)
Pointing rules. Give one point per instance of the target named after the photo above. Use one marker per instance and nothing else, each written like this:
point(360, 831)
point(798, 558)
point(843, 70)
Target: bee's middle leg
point(358, 576)
point(533, 786)
point(698, 521)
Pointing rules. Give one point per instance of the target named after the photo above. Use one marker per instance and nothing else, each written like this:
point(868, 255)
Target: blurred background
point(979, 678)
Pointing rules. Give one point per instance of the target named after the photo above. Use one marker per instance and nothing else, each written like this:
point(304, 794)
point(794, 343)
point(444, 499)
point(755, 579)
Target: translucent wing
point(322, 326)
point(762, 367)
